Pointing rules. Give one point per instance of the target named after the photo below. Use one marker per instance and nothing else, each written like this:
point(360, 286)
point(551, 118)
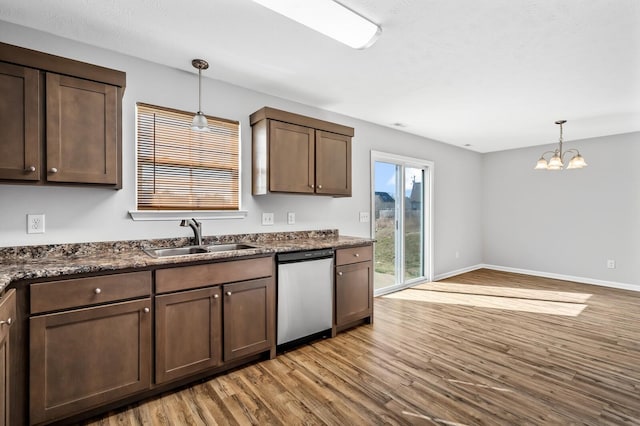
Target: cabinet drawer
point(89, 291)
point(354, 255)
point(187, 277)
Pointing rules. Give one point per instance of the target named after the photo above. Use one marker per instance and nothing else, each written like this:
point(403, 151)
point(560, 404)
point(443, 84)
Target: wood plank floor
point(431, 363)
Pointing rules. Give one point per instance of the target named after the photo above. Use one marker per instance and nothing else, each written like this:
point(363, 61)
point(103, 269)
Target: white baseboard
point(458, 272)
point(583, 280)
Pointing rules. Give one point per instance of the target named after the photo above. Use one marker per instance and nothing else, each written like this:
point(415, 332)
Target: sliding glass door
point(401, 220)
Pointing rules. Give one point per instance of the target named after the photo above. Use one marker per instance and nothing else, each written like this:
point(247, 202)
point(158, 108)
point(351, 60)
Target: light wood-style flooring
point(441, 354)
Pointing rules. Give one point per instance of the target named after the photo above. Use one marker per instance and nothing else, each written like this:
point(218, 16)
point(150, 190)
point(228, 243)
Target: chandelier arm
point(547, 152)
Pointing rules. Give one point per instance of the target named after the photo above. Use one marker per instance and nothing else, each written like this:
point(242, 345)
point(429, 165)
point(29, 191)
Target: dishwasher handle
point(302, 256)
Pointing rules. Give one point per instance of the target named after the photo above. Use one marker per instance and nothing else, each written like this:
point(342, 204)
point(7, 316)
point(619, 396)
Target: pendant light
point(199, 122)
point(556, 161)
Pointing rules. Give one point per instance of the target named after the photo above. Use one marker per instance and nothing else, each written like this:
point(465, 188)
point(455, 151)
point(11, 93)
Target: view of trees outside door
point(399, 223)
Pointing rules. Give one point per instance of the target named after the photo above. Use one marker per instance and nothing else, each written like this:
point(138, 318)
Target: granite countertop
point(31, 262)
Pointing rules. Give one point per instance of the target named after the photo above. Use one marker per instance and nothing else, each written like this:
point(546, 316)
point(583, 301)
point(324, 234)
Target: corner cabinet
point(353, 286)
point(297, 154)
point(60, 121)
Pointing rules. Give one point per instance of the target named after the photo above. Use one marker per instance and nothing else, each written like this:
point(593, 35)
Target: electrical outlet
point(291, 218)
point(35, 224)
point(364, 217)
point(611, 264)
point(267, 219)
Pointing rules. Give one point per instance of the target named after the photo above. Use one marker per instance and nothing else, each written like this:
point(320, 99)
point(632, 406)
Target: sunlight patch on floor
point(495, 302)
point(519, 293)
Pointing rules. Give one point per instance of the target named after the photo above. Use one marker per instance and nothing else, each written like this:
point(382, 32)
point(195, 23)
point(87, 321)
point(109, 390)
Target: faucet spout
point(197, 229)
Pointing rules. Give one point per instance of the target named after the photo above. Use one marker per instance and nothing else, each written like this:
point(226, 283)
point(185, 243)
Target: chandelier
point(556, 162)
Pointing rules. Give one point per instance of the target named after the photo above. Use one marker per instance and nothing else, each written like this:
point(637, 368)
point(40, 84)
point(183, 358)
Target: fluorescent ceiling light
point(329, 18)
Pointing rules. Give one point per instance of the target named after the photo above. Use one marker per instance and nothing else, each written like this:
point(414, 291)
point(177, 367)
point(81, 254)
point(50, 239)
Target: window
point(181, 169)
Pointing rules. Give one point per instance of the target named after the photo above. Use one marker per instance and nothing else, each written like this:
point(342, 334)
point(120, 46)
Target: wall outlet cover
point(35, 224)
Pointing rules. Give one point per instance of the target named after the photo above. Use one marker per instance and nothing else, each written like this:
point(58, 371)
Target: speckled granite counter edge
point(32, 262)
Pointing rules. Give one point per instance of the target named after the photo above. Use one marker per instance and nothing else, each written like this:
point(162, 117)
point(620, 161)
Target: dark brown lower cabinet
point(354, 292)
point(7, 316)
point(188, 333)
point(88, 357)
point(249, 318)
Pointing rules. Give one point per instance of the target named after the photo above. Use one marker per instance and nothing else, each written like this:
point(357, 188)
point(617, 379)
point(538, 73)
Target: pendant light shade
point(199, 122)
point(556, 161)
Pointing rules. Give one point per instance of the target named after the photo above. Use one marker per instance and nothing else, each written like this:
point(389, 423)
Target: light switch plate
point(364, 217)
point(267, 219)
point(291, 218)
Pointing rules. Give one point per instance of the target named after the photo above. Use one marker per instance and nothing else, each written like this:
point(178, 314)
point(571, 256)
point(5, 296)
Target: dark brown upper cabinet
point(60, 120)
point(297, 154)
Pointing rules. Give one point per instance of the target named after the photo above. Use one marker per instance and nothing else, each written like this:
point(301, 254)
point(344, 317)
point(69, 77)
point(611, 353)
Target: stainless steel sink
point(228, 247)
point(189, 250)
point(175, 251)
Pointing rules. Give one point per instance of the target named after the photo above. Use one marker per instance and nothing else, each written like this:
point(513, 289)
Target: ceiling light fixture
point(199, 122)
point(329, 18)
point(556, 161)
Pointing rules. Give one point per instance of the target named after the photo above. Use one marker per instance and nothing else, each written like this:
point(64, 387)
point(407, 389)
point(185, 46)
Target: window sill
point(186, 214)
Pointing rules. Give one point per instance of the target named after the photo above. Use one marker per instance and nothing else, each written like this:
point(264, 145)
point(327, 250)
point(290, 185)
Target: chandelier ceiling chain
point(556, 162)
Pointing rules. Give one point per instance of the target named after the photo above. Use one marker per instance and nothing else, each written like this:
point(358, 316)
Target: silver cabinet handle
point(356, 254)
point(319, 186)
point(53, 170)
point(97, 291)
point(9, 321)
point(340, 273)
point(31, 169)
point(146, 310)
point(312, 186)
point(215, 296)
point(228, 293)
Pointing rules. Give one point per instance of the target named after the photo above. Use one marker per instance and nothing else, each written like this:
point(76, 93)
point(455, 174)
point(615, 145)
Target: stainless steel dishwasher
point(305, 281)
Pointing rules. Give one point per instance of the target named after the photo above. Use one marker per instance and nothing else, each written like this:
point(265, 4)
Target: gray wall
point(567, 222)
point(89, 214)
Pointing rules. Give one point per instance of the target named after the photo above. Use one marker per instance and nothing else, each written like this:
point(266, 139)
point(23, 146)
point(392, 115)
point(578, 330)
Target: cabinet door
point(333, 164)
point(7, 316)
point(19, 123)
point(249, 318)
point(291, 158)
point(82, 131)
point(188, 332)
point(354, 292)
point(88, 357)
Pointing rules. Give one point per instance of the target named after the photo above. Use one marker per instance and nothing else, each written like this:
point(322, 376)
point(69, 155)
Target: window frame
point(177, 214)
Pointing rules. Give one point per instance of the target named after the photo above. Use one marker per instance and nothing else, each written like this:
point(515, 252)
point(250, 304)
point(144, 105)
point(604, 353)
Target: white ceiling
point(494, 74)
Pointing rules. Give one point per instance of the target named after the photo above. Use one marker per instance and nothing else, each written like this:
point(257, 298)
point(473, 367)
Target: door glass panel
point(413, 223)
point(385, 208)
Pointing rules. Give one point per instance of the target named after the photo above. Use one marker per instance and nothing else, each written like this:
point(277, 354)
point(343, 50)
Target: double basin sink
point(188, 250)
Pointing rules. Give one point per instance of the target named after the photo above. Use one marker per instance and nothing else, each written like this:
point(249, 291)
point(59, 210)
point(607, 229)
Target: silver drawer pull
point(215, 296)
point(356, 254)
point(97, 291)
point(7, 322)
point(146, 310)
point(228, 293)
point(53, 170)
point(340, 273)
point(312, 186)
point(319, 186)
point(31, 169)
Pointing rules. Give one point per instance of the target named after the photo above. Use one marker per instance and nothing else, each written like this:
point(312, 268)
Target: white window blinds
point(182, 169)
